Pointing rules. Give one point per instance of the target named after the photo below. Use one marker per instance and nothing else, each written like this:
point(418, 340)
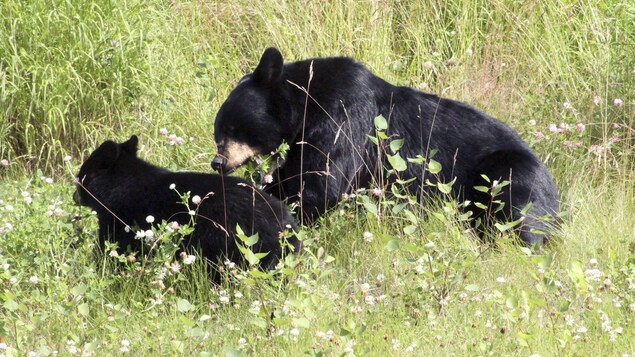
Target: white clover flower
point(48, 180)
point(224, 299)
point(268, 178)
point(163, 131)
point(172, 186)
point(593, 274)
point(593, 262)
point(67, 158)
point(368, 237)
point(294, 332)
point(125, 343)
point(140, 235)
point(192, 213)
point(196, 200)
point(618, 102)
point(189, 259)
point(4, 162)
point(150, 219)
point(365, 287)
point(34, 280)
point(173, 226)
point(500, 279)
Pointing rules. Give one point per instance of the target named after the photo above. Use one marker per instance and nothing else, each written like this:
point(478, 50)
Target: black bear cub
point(324, 108)
point(123, 190)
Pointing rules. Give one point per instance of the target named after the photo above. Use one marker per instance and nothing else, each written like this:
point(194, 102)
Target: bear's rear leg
point(529, 184)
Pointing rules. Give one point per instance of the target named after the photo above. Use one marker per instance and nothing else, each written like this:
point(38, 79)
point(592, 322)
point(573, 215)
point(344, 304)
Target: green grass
point(74, 75)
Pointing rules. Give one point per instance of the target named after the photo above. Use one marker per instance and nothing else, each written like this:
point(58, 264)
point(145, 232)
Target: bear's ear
point(269, 70)
point(131, 145)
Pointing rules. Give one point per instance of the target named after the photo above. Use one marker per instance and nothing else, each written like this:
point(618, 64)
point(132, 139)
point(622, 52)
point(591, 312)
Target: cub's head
point(95, 170)
point(255, 118)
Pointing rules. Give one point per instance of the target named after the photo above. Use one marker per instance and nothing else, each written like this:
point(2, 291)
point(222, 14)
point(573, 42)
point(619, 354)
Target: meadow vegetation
point(379, 275)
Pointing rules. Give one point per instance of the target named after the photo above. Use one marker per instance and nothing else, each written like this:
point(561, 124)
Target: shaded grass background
point(73, 75)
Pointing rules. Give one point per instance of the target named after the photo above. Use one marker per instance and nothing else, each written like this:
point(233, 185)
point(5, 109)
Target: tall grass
point(73, 74)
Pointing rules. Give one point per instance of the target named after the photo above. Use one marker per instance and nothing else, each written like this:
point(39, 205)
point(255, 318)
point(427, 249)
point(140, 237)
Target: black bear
point(123, 190)
point(324, 108)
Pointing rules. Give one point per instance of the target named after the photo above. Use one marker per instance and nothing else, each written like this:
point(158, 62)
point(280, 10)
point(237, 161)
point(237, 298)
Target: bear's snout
point(219, 163)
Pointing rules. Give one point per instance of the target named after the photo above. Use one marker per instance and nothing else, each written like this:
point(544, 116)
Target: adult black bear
point(324, 108)
point(124, 190)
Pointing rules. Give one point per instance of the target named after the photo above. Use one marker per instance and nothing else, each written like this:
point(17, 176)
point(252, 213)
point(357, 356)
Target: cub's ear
point(131, 145)
point(269, 70)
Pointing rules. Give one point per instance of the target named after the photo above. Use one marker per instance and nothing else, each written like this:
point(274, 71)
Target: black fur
point(113, 180)
point(270, 106)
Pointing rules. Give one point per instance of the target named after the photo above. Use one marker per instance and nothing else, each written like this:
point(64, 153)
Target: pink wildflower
point(580, 127)
point(618, 102)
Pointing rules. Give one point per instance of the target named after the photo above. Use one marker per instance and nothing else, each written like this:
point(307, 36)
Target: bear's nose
point(218, 163)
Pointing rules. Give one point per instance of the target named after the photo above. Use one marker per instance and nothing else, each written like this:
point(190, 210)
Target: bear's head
point(256, 117)
point(98, 167)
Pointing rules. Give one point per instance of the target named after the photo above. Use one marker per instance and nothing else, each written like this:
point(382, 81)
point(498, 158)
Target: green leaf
point(248, 255)
point(408, 230)
point(397, 162)
point(392, 245)
point(259, 322)
point(302, 322)
point(445, 187)
point(482, 188)
point(381, 123)
point(373, 139)
point(471, 287)
point(183, 305)
point(83, 309)
point(396, 144)
point(434, 167)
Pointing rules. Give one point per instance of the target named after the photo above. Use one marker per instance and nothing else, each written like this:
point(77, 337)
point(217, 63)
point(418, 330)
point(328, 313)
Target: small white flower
point(365, 287)
point(500, 279)
point(618, 102)
point(196, 200)
point(268, 178)
point(140, 234)
point(48, 180)
point(163, 131)
point(172, 186)
point(175, 267)
point(67, 158)
point(188, 260)
point(532, 122)
point(294, 332)
point(4, 162)
point(150, 219)
point(192, 213)
point(368, 237)
point(113, 253)
point(34, 280)
point(593, 262)
point(125, 343)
